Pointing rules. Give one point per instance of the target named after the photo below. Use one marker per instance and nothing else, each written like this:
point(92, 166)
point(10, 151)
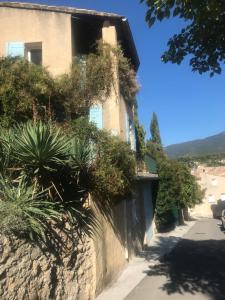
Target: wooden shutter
point(95, 115)
point(14, 49)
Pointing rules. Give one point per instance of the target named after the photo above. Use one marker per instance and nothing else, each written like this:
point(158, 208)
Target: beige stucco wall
point(51, 28)
point(212, 180)
point(111, 108)
point(110, 245)
point(115, 108)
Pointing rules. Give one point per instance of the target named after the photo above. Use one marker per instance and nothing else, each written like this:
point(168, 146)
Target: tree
point(166, 194)
point(187, 191)
point(154, 129)
point(177, 188)
point(203, 37)
point(154, 145)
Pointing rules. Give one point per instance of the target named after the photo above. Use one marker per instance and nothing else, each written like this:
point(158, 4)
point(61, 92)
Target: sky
point(188, 105)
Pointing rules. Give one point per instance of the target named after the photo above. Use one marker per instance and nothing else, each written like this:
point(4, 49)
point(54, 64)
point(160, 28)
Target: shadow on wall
point(126, 218)
point(192, 267)
point(113, 213)
point(217, 209)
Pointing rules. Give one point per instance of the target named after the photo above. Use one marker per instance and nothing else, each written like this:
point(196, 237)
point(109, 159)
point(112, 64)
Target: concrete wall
point(212, 180)
point(51, 28)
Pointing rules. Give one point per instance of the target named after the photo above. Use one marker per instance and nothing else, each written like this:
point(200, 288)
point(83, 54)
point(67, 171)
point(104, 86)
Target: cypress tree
point(154, 129)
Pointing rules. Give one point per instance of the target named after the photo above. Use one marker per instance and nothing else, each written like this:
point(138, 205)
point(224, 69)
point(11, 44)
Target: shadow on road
point(193, 267)
point(159, 249)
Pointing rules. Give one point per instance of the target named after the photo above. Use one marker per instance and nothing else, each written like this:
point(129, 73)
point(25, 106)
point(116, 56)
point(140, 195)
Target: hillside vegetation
point(211, 145)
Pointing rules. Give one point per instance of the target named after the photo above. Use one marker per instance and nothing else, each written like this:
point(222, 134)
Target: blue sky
point(188, 105)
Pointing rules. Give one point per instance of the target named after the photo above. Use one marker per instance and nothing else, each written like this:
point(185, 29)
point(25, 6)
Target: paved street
point(195, 269)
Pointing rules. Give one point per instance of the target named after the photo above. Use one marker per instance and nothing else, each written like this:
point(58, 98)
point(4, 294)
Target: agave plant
point(40, 150)
point(25, 211)
point(40, 146)
point(81, 154)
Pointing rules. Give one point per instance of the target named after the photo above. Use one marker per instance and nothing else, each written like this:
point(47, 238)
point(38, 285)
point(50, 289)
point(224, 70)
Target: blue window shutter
point(134, 142)
point(14, 49)
point(95, 115)
point(127, 127)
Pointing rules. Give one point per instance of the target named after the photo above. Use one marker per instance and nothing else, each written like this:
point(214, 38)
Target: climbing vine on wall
point(129, 85)
point(28, 91)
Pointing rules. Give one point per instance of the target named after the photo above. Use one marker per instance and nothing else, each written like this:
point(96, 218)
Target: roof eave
point(77, 11)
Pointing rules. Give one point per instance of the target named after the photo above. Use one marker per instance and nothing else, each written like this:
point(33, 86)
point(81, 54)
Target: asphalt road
point(195, 269)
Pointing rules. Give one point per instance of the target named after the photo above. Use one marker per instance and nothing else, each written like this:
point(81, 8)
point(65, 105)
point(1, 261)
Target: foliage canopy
point(203, 37)
point(177, 188)
point(25, 89)
point(36, 95)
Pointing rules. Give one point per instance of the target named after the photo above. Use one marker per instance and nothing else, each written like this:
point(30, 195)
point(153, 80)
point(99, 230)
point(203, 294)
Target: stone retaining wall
point(27, 272)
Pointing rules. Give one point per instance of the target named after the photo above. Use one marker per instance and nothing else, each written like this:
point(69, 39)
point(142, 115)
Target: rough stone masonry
point(28, 272)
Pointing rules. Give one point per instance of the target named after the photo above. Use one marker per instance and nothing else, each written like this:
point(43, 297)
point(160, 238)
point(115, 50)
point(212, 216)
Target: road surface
point(195, 269)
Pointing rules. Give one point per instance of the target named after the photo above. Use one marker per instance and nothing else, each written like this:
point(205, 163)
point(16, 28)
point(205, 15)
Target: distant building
point(212, 180)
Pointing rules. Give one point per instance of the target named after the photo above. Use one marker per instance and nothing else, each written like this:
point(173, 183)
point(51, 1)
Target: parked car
point(223, 219)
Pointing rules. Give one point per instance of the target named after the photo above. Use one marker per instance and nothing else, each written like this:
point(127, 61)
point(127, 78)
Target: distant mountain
point(210, 145)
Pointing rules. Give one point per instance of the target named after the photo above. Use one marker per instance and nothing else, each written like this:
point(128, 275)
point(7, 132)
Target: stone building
point(53, 36)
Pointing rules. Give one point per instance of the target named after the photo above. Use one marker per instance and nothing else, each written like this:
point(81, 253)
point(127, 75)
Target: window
point(130, 132)
point(95, 115)
point(33, 53)
point(15, 49)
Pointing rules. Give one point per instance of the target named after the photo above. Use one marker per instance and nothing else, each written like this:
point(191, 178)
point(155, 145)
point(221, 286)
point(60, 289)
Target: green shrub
point(24, 90)
point(25, 211)
point(60, 168)
point(113, 168)
point(177, 188)
point(83, 129)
